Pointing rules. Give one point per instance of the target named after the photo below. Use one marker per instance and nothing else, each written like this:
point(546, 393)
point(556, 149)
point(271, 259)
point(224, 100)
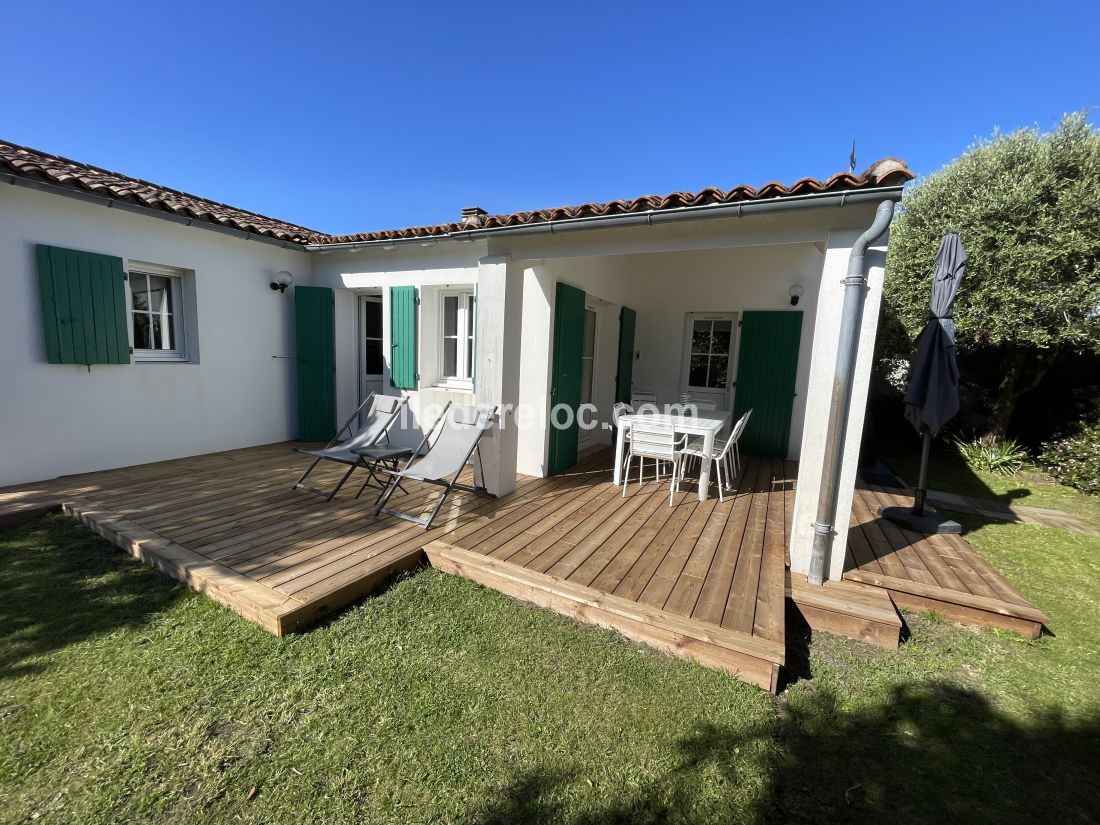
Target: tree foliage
point(1027, 207)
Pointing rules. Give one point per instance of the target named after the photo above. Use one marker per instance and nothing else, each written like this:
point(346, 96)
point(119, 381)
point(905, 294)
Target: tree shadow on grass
point(924, 753)
point(60, 584)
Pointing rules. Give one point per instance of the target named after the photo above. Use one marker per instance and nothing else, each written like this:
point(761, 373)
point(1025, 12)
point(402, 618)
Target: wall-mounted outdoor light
point(283, 279)
point(795, 292)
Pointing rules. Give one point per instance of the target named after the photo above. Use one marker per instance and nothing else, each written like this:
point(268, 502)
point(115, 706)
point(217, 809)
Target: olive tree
point(1027, 206)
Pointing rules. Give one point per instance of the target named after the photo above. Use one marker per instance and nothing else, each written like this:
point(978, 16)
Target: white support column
point(819, 398)
point(499, 310)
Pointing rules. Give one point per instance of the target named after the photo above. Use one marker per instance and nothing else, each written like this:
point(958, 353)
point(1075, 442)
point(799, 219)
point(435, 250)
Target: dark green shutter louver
point(83, 307)
point(565, 383)
point(403, 337)
point(314, 327)
point(767, 368)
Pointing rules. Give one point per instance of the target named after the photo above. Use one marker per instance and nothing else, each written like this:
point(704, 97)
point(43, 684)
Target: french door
point(707, 369)
point(371, 362)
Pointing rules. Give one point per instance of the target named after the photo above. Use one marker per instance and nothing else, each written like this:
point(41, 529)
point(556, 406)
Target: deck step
point(847, 608)
point(966, 608)
point(749, 658)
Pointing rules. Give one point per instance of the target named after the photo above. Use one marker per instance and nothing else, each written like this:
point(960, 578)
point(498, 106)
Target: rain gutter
point(648, 218)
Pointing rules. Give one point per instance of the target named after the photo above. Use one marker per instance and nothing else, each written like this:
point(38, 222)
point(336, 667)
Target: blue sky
point(353, 116)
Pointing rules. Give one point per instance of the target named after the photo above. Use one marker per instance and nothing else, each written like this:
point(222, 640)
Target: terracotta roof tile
point(35, 165)
point(886, 172)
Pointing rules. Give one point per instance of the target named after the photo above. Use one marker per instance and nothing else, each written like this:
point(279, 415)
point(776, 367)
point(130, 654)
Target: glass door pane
point(709, 340)
point(588, 356)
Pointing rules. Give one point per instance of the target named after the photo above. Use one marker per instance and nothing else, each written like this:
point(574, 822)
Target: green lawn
point(124, 698)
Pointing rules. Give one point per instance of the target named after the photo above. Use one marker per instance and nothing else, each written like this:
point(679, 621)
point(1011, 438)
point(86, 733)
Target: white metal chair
point(372, 430)
point(639, 397)
point(721, 455)
point(620, 409)
point(735, 437)
point(707, 406)
point(660, 443)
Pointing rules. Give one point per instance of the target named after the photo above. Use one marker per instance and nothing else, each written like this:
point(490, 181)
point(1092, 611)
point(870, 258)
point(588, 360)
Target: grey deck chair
point(457, 431)
point(376, 422)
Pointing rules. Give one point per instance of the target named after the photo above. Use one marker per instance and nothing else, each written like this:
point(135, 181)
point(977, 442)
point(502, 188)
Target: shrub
point(1004, 457)
point(1075, 460)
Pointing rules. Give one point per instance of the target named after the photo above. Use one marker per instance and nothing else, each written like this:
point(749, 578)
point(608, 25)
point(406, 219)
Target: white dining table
point(705, 423)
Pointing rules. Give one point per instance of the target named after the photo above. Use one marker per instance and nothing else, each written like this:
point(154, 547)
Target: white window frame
point(466, 325)
point(177, 354)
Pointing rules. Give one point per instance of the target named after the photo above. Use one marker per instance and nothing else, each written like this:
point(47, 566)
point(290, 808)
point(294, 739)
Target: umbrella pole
point(922, 479)
point(915, 518)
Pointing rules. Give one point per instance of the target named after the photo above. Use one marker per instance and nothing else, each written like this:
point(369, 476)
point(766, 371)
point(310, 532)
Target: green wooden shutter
point(628, 319)
point(83, 306)
point(566, 380)
point(766, 367)
point(403, 303)
point(314, 327)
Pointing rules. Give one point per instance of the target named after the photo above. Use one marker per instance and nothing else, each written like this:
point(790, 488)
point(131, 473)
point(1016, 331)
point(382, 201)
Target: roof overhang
point(651, 217)
point(127, 206)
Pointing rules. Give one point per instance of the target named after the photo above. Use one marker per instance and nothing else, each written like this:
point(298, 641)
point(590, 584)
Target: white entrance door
point(370, 354)
point(707, 370)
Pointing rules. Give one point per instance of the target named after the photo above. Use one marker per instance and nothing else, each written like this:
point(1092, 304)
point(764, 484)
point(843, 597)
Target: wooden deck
point(704, 580)
point(229, 525)
point(701, 579)
point(939, 572)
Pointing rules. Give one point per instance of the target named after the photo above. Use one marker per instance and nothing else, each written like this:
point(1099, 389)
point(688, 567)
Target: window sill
point(155, 358)
point(454, 385)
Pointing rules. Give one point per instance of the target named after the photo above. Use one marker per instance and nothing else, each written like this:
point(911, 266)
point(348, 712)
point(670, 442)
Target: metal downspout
point(851, 314)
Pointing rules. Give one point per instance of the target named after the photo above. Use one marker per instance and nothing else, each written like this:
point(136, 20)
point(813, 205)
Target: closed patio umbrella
point(932, 398)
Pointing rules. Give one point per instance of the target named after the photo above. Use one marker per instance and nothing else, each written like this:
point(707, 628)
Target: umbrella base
point(927, 522)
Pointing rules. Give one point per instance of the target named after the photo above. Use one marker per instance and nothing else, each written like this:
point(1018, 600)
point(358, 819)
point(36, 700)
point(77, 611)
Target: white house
point(141, 324)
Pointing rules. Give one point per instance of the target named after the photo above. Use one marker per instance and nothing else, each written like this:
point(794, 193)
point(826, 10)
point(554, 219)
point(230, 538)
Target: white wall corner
point(536, 357)
point(499, 310)
point(346, 331)
point(819, 399)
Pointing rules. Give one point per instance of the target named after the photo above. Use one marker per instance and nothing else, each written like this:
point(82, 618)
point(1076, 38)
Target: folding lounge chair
point(457, 431)
point(375, 427)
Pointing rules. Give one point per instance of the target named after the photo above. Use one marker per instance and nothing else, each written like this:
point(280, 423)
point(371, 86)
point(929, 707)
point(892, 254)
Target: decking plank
point(669, 571)
point(922, 565)
point(741, 602)
point(635, 581)
point(714, 595)
point(770, 592)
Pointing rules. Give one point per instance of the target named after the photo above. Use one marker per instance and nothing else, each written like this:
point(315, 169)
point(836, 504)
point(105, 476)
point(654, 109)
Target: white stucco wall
point(819, 399)
point(60, 419)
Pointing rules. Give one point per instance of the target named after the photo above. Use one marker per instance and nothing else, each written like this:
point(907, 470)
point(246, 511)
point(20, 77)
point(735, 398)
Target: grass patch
point(126, 698)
